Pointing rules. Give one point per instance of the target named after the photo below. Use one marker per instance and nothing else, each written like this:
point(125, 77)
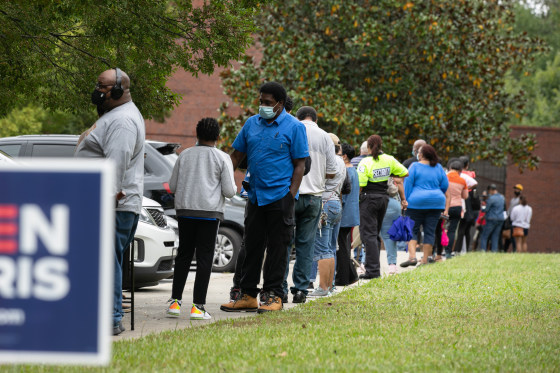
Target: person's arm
point(362, 174)
point(297, 176)
point(409, 182)
point(240, 147)
point(513, 215)
point(175, 175)
point(444, 185)
point(227, 179)
point(465, 193)
point(330, 160)
point(397, 169)
point(529, 215)
point(447, 203)
point(119, 147)
point(400, 187)
point(236, 158)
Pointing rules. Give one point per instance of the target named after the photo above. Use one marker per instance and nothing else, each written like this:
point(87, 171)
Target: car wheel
point(228, 244)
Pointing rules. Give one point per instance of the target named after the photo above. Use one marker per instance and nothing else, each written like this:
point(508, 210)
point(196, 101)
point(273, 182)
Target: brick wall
point(542, 189)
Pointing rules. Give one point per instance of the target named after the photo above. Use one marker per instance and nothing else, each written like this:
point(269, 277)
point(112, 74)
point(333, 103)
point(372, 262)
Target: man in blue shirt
point(494, 214)
point(275, 144)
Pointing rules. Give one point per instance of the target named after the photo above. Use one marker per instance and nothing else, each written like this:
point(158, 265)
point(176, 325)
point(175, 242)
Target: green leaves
point(52, 52)
point(402, 69)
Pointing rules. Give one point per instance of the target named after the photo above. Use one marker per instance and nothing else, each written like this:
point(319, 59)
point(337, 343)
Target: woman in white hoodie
point(202, 178)
point(521, 221)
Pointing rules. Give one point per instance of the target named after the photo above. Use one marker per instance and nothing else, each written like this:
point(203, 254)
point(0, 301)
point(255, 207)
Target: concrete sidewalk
point(151, 303)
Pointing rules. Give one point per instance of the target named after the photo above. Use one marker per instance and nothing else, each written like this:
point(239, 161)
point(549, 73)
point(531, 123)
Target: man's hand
point(120, 195)
point(297, 176)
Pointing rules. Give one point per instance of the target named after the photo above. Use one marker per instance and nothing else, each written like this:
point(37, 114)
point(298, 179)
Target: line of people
point(306, 192)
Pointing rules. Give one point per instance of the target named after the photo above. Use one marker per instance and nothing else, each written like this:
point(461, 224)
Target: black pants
point(463, 231)
point(199, 235)
point(372, 212)
point(269, 228)
point(345, 270)
point(454, 219)
point(239, 264)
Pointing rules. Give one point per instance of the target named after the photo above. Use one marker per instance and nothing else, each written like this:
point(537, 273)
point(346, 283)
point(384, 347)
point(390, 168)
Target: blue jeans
point(324, 236)
point(125, 227)
point(325, 239)
point(307, 213)
point(492, 230)
point(392, 213)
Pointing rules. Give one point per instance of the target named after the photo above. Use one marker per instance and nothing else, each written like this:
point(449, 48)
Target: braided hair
point(208, 129)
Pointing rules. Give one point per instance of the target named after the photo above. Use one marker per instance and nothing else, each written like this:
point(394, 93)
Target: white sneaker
point(392, 269)
point(199, 313)
point(174, 308)
point(319, 292)
point(361, 269)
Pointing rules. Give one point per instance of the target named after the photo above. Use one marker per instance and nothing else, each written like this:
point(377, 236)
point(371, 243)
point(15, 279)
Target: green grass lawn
point(478, 312)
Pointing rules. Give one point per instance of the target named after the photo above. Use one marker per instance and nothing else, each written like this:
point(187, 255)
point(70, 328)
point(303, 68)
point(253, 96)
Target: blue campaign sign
point(56, 266)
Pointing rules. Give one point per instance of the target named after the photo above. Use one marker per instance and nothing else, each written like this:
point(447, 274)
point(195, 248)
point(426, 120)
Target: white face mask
point(418, 156)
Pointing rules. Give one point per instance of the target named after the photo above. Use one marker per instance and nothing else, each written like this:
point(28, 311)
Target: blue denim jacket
point(495, 207)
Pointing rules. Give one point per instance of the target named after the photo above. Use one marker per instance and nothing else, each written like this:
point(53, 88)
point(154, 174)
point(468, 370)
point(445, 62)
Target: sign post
point(56, 261)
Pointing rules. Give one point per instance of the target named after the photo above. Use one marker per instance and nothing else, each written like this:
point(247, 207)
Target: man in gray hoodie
point(119, 134)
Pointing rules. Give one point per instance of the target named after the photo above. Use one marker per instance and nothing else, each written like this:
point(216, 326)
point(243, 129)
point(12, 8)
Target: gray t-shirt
point(333, 186)
point(119, 135)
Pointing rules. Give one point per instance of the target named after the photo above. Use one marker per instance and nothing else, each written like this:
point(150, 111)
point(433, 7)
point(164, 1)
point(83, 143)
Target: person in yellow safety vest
point(373, 173)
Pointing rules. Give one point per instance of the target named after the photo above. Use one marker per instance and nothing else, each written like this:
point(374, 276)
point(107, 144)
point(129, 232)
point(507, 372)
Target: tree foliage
point(541, 88)
point(22, 121)
point(51, 52)
point(401, 69)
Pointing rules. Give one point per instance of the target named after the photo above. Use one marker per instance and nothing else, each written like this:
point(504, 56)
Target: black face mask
point(517, 192)
point(97, 98)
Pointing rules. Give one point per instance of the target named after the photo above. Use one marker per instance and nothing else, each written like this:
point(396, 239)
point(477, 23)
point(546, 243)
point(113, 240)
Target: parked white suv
point(155, 247)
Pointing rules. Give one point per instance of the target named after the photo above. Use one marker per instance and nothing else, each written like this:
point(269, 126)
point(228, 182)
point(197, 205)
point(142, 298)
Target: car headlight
point(146, 217)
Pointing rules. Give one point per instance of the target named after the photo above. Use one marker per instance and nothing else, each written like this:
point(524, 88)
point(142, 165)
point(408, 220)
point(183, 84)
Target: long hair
point(374, 143)
point(430, 154)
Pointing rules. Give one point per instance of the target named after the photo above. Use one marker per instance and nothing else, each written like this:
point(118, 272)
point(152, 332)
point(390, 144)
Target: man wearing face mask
point(275, 144)
point(417, 145)
point(119, 135)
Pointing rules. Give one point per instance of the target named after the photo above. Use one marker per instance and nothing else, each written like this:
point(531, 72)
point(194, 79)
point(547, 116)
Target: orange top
point(457, 188)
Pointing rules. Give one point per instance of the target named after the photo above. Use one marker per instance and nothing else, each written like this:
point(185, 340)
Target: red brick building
point(542, 189)
point(203, 96)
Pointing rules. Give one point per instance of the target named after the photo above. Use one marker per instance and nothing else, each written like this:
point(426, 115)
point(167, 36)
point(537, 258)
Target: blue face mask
point(413, 153)
point(267, 112)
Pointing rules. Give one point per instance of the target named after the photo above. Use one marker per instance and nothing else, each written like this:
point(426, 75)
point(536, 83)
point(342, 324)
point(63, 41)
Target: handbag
point(444, 237)
point(518, 232)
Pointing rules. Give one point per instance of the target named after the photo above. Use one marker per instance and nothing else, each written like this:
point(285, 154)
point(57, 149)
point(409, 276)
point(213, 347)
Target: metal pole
point(131, 271)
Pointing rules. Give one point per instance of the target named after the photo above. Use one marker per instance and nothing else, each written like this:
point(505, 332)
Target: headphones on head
point(117, 90)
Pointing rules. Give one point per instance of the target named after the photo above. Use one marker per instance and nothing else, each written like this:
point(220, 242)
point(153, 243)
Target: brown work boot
point(245, 303)
point(272, 303)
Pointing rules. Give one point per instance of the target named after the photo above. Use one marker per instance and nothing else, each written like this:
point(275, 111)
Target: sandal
point(409, 262)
